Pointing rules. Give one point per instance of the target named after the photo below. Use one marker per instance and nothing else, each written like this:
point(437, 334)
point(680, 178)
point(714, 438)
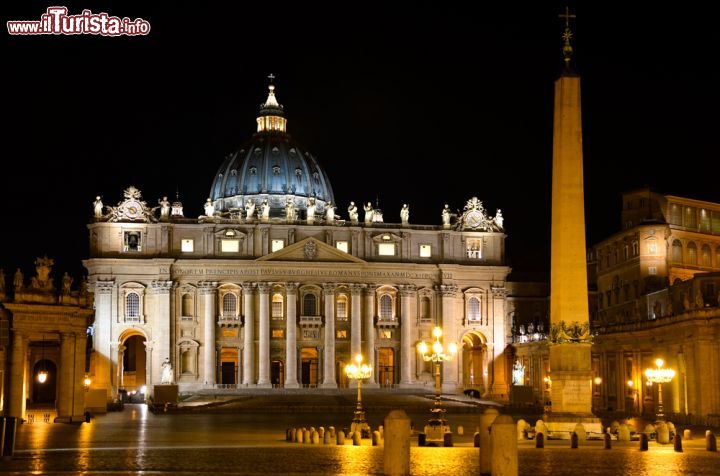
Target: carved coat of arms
point(310, 250)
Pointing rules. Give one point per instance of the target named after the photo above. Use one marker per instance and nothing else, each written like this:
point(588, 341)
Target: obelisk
point(570, 362)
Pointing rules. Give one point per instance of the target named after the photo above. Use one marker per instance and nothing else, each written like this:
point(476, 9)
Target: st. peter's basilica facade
point(271, 287)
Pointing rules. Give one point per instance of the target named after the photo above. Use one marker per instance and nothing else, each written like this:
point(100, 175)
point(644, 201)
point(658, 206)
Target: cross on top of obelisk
point(272, 76)
point(566, 36)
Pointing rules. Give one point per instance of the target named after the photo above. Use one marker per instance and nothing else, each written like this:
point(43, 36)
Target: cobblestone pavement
point(136, 440)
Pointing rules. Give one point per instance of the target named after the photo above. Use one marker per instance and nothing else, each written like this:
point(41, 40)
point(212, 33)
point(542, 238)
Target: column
point(500, 387)
point(65, 380)
point(356, 321)
point(291, 380)
point(18, 371)
point(162, 335)
point(208, 291)
point(119, 353)
point(408, 304)
point(329, 354)
point(370, 331)
point(249, 335)
point(78, 403)
point(149, 388)
point(448, 293)
point(264, 336)
point(486, 371)
point(102, 337)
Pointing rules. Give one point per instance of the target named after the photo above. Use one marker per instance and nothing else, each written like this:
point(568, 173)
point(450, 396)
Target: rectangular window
point(690, 218)
point(278, 333)
point(341, 334)
point(277, 245)
point(132, 241)
point(425, 251)
point(342, 246)
point(386, 249)
point(652, 270)
point(385, 334)
point(474, 249)
point(704, 220)
point(187, 246)
point(229, 246)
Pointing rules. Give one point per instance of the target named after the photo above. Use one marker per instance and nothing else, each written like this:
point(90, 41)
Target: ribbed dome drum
point(271, 166)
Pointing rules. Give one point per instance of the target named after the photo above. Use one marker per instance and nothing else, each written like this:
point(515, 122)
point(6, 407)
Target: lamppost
point(359, 372)
point(659, 375)
point(87, 382)
point(437, 356)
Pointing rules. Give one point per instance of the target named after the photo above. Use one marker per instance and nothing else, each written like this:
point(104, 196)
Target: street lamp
point(659, 375)
point(359, 372)
point(87, 382)
point(437, 356)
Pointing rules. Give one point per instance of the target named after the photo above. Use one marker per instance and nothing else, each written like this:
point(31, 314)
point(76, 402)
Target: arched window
point(277, 306)
point(677, 251)
point(692, 253)
point(132, 305)
point(309, 305)
point(229, 305)
point(473, 310)
point(425, 313)
point(705, 259)
point(386, 307)
point(341, 306)
point(187, 305)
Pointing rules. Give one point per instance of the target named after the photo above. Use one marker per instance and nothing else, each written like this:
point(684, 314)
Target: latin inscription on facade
point(329, 273)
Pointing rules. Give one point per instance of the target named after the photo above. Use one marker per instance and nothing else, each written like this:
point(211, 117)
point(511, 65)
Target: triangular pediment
point(311, 250)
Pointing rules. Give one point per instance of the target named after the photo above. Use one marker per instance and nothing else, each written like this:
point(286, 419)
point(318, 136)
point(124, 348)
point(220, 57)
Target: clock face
point(133, 209)
point(473, 219)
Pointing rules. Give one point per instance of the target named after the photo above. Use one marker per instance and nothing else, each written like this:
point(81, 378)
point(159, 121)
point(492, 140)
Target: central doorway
point(386, 366)
point(309, 367)
point(474, 354)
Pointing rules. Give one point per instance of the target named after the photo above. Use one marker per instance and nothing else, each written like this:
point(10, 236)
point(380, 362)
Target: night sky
point(424, 103)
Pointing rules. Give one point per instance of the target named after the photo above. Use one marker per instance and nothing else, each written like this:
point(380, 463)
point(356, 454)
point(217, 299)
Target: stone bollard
point(476, 440)
point(677, 443)
point(326, 438)
point(623, 433)
point(580, 432)
point(540, 440)
point(710, 441)
point(460, 430)
point(504, 456)
point(375, 438)
point(663, 433)
point(380, 429)
point(447, 440)
point(396, 454)
point(574, 440)
point(312, 428)
point(540, 428)
point(643, 442)
point(299, 435)
point(315, 438)
point(331, 429)
point(521, 429)
point(340, 437)
point(649, 430)
point(486, 420)
point(422, 439)
point(307, 437)
point(608, 441)
point(321, 432)
point(293, 435)
point(287, 434)
point(357, 441)
point(687, 435)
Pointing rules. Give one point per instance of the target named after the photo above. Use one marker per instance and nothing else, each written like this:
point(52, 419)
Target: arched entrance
point(44, 393)
point(134, 364)
point(474, 362)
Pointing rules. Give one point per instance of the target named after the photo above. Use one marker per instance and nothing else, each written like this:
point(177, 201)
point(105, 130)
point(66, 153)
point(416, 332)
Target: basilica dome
point(271, 166)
